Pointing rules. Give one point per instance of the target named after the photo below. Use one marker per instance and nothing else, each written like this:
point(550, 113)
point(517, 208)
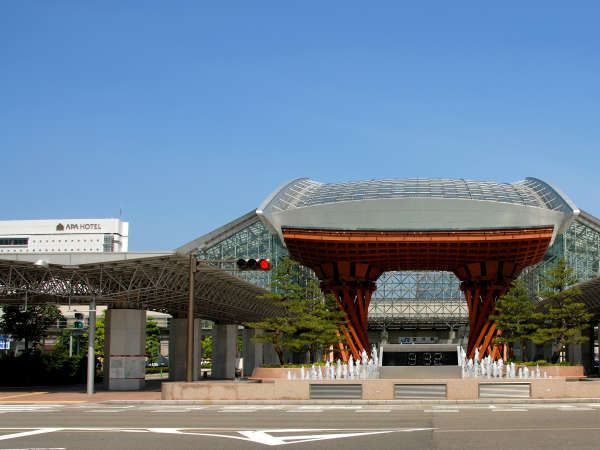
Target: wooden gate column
point(483, 284)
point(352, 285)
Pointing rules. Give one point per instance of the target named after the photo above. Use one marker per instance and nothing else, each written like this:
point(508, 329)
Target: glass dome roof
point(304, 192)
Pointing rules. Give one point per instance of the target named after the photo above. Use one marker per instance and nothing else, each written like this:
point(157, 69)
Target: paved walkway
point(76, 394)
point(151, 394)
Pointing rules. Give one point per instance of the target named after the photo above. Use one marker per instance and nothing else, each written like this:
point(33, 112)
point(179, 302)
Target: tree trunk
point(313, 353)
point(524, 351)
point(279, 354)
point(509, 351)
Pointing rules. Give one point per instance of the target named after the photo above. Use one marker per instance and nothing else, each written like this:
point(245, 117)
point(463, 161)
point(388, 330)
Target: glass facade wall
point(253, 241)
point(417, 286)
point(399, 293)
point(579, 246)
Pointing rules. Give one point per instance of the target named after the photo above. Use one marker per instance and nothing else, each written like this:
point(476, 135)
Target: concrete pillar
point(178, 349)
point(252, 352)
point(587, 351)
point(532, 351)
point(256, 354)
point(452, 336)
point(574, 352)
point(224, 351)
point(124, 349)
point(269, 354)
point(548, 350)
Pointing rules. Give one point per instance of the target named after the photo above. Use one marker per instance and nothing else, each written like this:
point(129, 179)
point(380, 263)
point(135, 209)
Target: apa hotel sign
point(79, 227)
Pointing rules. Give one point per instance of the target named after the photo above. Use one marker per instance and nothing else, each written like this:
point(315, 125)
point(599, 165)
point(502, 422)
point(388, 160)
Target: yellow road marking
point(23, 395)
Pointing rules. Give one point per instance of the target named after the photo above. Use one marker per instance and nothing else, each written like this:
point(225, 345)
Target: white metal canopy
point(156, 281)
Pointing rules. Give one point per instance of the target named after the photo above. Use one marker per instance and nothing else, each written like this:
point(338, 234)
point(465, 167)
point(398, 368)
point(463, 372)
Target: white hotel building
point(68, 236)
point(63, 236)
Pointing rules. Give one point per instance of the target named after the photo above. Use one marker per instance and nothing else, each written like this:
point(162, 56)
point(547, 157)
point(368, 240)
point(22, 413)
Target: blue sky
point(187, 115)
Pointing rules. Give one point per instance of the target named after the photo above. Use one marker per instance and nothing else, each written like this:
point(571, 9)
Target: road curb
point(500, 401)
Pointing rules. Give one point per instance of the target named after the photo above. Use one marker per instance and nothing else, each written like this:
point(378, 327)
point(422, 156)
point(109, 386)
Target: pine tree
point(564, 317)
point(309, 321)
point(516, 317)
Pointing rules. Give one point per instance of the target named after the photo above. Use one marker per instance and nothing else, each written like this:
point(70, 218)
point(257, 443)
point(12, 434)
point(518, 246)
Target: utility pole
point(189, 374)
point(91, 368)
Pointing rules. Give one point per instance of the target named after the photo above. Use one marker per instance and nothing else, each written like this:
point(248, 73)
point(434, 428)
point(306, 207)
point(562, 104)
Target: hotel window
point(109, 242)
point(14, 242)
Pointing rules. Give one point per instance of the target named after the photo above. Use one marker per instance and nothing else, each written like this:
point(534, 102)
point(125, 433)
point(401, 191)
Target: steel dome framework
point(485, 233)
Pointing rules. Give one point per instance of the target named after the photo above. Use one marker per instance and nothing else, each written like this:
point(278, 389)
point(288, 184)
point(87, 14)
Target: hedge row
point(31, 369)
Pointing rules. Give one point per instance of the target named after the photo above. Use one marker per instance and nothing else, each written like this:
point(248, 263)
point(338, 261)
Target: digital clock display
point(419, 358)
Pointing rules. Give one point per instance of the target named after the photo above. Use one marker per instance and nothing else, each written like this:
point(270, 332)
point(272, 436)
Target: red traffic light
point(253, 264)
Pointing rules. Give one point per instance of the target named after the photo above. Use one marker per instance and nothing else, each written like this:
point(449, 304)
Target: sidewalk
point(76, 394)
point(152, 395)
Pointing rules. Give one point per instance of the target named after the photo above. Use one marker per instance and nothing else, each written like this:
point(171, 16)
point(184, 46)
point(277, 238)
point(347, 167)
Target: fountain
point(368, 367)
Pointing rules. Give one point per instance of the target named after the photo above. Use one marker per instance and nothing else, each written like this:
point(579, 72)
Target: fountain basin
point(379, 389)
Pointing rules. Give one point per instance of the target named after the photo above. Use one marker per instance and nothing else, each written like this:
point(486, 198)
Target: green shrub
point(292, 366)
point(150, 370)
point(33, 368)
point(542, 362)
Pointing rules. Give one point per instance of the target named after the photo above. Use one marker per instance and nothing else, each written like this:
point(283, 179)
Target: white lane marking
point(451, 407)
point(304, 411)
point(102, 411)
point(508, 409)
point(574, 408)
point(440, 410)
point(374, 411)
point(160, 411)
point(343, 407)
point(27, 433)
point(239, 407)
point(13, 407)
point(97, 406)
point(37, 405)
point(26, 410)
point(321, 437)
point(246, 411)
point(263, 436)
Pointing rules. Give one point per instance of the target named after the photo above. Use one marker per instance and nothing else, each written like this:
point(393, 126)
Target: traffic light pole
point(189, 361)
point(91, 363)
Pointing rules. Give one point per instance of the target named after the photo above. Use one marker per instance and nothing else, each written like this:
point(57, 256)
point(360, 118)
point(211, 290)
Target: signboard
point(420, 355)
point(419, 361)
point(127, 367)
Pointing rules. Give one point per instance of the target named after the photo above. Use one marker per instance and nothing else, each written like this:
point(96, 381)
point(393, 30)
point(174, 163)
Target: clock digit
point(426, 359)
point(412, 359)
point(437, 359)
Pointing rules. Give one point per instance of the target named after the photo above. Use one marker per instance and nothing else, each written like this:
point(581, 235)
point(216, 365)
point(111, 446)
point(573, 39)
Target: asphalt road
point(101, 426)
